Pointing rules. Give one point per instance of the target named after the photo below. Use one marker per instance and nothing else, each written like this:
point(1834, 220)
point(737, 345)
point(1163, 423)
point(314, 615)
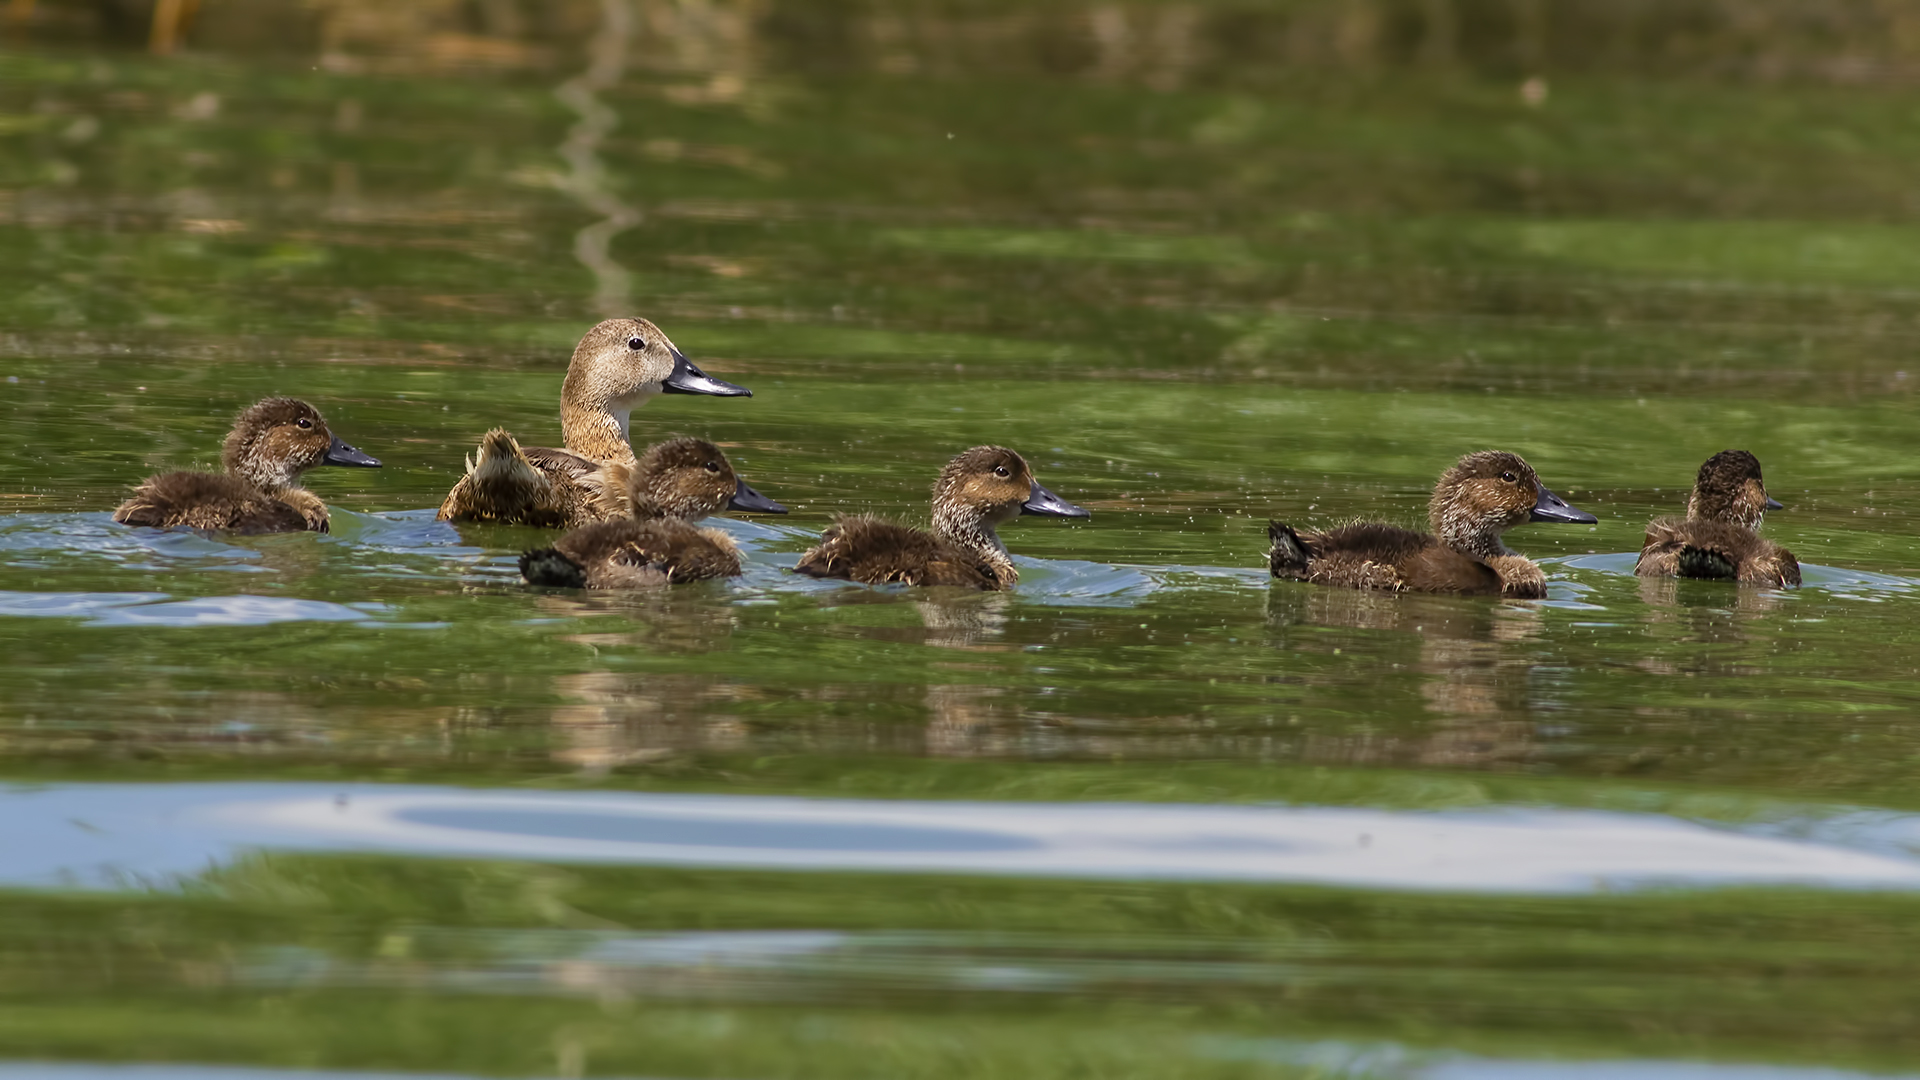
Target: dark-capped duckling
point(1717, 538)
point(1483, 495)
point(616, 368)
point(271, 444)
point(984, 487)
point(674, 484)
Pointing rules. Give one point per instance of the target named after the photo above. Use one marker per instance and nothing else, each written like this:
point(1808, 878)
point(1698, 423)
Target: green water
point(1198, 286)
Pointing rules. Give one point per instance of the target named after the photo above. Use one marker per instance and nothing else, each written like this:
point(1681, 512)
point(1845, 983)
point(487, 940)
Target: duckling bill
point(617, 367)
point(272, 443)
point(1479, 498)
point(980, 489)
point(671, 486)
point(1719, 538)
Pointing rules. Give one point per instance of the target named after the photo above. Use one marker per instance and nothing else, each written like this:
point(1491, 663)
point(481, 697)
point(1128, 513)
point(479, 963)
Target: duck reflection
point(656, 620)
point(616, 719)
point(969, 719)
point(1701, 613)
point(1476, 677)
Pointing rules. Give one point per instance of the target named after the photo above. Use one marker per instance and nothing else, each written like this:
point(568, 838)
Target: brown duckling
point(271, 444)
point(1483, 495)
point(984, 487)
point(673, 484)
point(616, 368)
point(1718, 537)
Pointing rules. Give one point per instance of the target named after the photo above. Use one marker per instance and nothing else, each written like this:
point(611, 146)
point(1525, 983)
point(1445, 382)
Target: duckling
point(1483, 495)
point(673, 484)
point(983, 487)
point(271, 444)
point(1718, 537)
point(615, 369)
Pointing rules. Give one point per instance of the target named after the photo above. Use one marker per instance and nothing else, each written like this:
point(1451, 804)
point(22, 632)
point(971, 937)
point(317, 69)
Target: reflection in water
point(586, 178)
point(133, 831)
point(1475, 677)
point(618, 719)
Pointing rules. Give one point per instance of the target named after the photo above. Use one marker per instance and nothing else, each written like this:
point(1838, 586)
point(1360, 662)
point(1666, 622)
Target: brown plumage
point(982, 488)
point(1479, 498)
point(271, 444)
point(1718, 538)
point(671, 486)
point(617, 367)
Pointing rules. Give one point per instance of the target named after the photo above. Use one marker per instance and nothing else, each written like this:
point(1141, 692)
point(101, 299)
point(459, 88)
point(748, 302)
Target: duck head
point(1486, 493)
point(1729, 489)
point(274, 441)
point(690, 479)
point(987, 486)
point(617, 366)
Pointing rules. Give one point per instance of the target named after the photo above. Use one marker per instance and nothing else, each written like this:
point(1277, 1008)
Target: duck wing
point(1374, 555)
point(633, 554)
point(212, 501)
point(535, 485)
point(874, 551)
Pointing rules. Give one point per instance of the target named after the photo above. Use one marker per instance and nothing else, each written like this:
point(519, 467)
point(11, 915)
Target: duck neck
point(969, 531)
point(598, 429)
point(1462, 536)
point(273, 478)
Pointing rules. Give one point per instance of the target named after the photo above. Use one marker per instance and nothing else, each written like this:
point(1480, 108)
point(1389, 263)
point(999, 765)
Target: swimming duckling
point(271, 444)
point(984, 487)
point(615, 369)
point(1483, 495)
point(1717, 538)
point(674, 484)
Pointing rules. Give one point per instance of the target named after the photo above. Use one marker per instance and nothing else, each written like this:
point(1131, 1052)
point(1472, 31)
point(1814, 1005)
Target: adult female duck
point(1482, 496)
point(616, 368)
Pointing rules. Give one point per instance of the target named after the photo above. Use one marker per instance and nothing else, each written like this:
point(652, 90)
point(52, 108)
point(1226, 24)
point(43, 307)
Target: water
point(364, 805)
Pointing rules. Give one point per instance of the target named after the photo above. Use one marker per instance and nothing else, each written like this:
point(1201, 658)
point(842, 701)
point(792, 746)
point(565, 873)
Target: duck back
point(874, 551)
point(214, 501)
point(1714, 550)
point(630, 554)
point(539, 486)
point(1372, 555)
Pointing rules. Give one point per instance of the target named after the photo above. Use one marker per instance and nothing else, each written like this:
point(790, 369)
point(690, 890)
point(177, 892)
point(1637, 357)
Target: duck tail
point(500, 484)
point(1289, 555)
point(1705, 562)
point(547, 566)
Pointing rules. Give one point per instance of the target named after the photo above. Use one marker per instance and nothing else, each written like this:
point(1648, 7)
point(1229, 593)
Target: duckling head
point(689, 479)
point(988, 486)
point(618, 366)
point(1485, 494)
point(1729, 489)
point(274, 441)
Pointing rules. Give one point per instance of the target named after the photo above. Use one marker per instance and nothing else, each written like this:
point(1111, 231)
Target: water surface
point(1203, 264)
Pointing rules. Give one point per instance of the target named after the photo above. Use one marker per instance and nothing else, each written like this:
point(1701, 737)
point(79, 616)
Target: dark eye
point(1001, 470)
point(713, 466)
point(305, 423)
point(636, 344)
point(1509, 477)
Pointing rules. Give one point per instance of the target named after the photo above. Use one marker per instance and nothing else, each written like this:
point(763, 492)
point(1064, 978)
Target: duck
point(272, 442)
point(1483, 495)
point(981, 488)
point(617, 366)
point(671, 486)
point(1719, 537)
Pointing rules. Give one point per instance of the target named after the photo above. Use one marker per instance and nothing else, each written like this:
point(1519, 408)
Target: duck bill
point(1046, 504)
point(339, 453)
point(752, 502)
point(1775, 504)
point(687, 379)
point(1551, 507)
